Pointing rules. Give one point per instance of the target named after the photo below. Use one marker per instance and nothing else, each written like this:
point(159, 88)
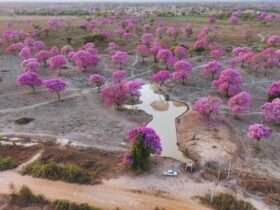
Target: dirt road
point(103, 196)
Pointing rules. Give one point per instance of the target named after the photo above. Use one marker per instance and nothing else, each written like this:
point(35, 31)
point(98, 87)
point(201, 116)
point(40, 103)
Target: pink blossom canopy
point(55, 85)
point(271, 111)
point(161, 76)
point(208, 106)
point(241, 102)
point(96, 80)
point(212, 69)
point(258, 131)
point(120, 58)
point(57, 62)
point(29, 79)
point(229, 82)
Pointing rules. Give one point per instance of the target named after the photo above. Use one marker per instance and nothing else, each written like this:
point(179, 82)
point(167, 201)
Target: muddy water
point(164, 114)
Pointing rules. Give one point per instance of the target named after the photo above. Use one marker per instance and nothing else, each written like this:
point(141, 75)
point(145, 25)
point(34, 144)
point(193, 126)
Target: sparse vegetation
point(223, 201)
point(53, 171)
point(66, 205)
point(7, 163)
point(25, 197)
point(220, 61)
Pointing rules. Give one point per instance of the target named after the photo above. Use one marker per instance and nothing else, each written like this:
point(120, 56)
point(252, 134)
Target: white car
point(170, 172)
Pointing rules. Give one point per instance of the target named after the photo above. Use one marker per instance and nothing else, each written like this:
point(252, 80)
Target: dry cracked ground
point(82, 118)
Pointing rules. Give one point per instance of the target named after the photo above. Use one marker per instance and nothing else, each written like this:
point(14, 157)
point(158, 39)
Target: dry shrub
point(223, 201)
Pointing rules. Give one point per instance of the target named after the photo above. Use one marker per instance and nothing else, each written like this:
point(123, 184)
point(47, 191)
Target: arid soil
point(18, 154)
point(205, 143)
point(105, 196)
point(103, 164)
point(82, 118)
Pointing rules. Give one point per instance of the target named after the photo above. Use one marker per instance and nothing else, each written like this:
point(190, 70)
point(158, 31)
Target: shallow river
point(164, 114)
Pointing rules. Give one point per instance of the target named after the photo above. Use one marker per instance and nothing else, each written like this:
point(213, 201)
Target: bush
point(94, 38)
point(199, 51)
point(223, 201)
point(7, 163)
point(69, 173)
point(66, 205)
point(26, 197)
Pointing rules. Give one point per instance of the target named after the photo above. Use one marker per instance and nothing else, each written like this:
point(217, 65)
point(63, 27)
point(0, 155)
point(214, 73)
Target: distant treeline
point(50, 13)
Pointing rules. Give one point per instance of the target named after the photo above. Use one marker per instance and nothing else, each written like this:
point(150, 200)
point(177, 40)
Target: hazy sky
point(119, 0)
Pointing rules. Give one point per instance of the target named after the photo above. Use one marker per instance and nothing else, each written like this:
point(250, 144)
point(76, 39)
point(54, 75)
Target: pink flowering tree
point(66, 49)
point(54, 24)
point(273, 90)
point(85, 59)
point(25, 53)
point(171, 61)
point(143, 51)
point(201, 44)
point(120, 91)
point(147, 39)
point(181, 52)
point(14, 48)
point(173, 32)
point(28, 42)
point(208, 107)
point(112, 48)
point(164, 56)
point(212, 69)
point(114, 94)
point(54, 51)
point(97, 80)
point(240, 103)
point(229, 82)
point(183, 70)
point(180, 76)
point(144, 143)
point(160, 31)
point(133, 89)
point(204, 32)
point(183, 65)
point(271, 111)
point(57, 62)
point(120, 58)
point(31, 64)
point(56, 86)
point(234, 20)
point(154, 50)
point(119, 76)
point(30, 79)
point(160, 77)
point(258, 132)
point(38, 46)
point(273, 41)
point(217, 53)
point(188, 30)
point(264, 60)
point(211, 19)
point(43, 56)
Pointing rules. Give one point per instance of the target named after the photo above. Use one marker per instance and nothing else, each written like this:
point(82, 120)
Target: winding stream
point(164, 114)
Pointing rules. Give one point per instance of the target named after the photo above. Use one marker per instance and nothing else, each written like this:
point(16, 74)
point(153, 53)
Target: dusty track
point(104, 195)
